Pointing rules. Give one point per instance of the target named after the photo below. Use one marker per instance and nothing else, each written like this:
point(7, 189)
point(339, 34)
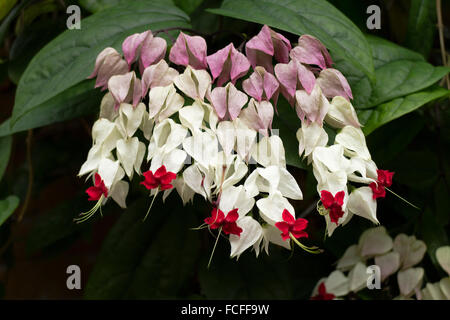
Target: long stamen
point(202, 226)
point(151, 204)
point(415, 207)
point(84, 216)
point(214, 249)
point(314, 250)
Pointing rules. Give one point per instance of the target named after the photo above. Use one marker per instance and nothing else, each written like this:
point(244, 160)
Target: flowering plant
point(205, 127)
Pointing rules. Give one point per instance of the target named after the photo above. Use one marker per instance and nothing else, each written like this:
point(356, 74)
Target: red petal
point(327, 198)
point(285, 236)
point(283, 227)
point(94, 193)
point(167, 178)
point(98, 180)
point(287, 216)
point(232, 228)
point(336, 213)
point(300, 224)
point(339, 198)
point(160, 172)
point(377, 190)
point(299, 234)
point(232, 216)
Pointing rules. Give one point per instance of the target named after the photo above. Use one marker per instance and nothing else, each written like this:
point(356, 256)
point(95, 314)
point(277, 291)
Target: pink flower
point(323, 294)
point(125, 88)
point(189, 50)
point(226, 64)
point(267, 43)
point(261, 85)
point(311, 51)
point(145, 48)
point(333, 83)
point(161, 178)
point(333, 204)
point(227, 101)
point(293, 76)
point(291, 226)
point(95, 192)
point(108, 63)
point(228, 223)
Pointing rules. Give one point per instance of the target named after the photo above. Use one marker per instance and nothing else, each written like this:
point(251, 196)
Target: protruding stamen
point(314, 250)
point(84, 216)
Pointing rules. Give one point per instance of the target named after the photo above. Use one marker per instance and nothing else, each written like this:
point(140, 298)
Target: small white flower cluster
point(392, 256)
point(201, 138)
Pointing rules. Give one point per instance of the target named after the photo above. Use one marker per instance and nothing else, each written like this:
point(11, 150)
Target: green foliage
point(7, 207)
point(421, 26)
point(5, 151)
point(144, 260)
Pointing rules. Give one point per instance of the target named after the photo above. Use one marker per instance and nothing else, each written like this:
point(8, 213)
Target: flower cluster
point(203, 123)
point(397, 256)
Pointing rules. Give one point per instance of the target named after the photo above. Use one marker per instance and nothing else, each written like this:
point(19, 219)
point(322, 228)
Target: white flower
point(309, 137)
point(164, 102)
point(341, 113)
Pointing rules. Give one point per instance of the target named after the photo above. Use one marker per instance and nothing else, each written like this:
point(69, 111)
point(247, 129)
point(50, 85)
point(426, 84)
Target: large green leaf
point(70, 58)
point(151, 259)
point(398, 71)
point(376, 117)
point(5, 152)
point(318, 18)
point(421, 26)
point(7, 207)
point(78, 100)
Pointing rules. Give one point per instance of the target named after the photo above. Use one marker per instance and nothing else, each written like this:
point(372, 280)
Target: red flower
point(323, 294)
point(99, 189)
point(161, 178)
point(228, 223)
point(384, 180)
point(291, 226)
point(385, 177)
point(333, 204)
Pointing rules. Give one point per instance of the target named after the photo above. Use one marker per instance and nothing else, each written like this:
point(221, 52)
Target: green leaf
point(7, 207)
point(376, 117)
point(5, 152)
point(151, 259)
point(98, 5)
point(398, 71)
point(28, 43)
point(70, 58)
point(188, 6)
point(10, 18)
point(318, 18)
point(421, 26)
point(5, 7)
point(287, 123)
point(77, 101)
point(56, 225)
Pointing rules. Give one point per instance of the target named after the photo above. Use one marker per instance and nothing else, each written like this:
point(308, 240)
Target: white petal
point(350, 258)
point(361, 203)
point(375, 241)
point(251, 233)
point(271, 208)
point(443, 257)
point(409, 279)
point(127, 151)
point(119, 193)
point(358, 277)
point(353, 141)
point(389, 263)
point(337, 283)
point(410, 249)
